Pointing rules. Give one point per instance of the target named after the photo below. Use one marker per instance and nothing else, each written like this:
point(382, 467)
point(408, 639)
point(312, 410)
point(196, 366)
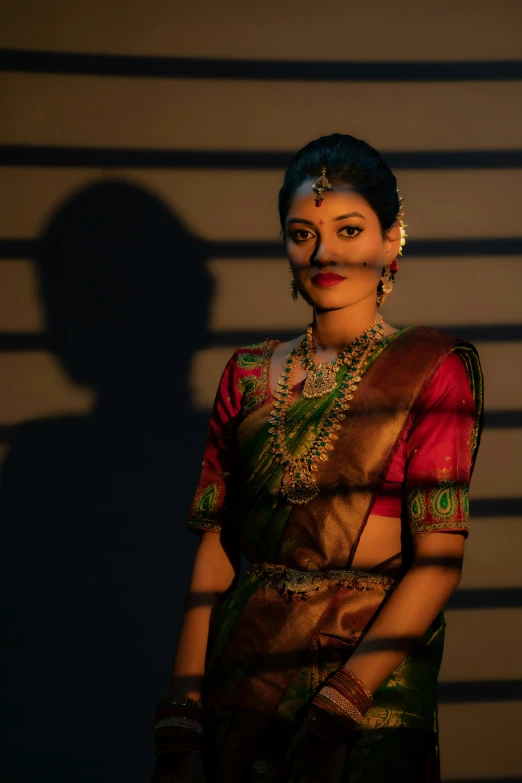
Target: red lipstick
point(327, 279)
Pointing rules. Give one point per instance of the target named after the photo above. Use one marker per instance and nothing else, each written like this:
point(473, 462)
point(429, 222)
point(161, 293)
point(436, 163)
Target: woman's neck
point(334, 329)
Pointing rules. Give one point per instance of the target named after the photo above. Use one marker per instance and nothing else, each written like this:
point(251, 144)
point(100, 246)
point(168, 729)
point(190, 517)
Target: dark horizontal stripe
point(486, 598)
point(37, 341)
point(503, 419)
point(94, 157)
point(29, 61)
point(472, 333)
point(496, 507)
point(13, 248)
point(23, 342)
point(18, 249)
point(417, 248)
point(489, 690)
point(11, 342)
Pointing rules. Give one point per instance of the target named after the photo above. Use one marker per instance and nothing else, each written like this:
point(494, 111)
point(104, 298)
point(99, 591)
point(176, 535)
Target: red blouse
point(428, 478)
point(433, 453)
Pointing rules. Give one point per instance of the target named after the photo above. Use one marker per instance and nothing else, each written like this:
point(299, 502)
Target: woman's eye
point(301, 235)
point(351, 231)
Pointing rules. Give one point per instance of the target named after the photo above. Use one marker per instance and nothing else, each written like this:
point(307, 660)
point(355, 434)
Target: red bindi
point(321, 222)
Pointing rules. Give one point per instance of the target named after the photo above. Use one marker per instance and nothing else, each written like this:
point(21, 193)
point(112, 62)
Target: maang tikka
point(320, 185)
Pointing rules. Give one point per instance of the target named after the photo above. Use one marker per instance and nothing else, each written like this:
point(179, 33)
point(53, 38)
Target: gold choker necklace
point(322, 377)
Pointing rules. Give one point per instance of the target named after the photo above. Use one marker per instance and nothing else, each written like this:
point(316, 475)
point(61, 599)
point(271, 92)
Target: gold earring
point(385, 286)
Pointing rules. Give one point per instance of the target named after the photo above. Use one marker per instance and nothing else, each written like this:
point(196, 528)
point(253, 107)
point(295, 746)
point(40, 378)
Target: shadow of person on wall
point(93, 507)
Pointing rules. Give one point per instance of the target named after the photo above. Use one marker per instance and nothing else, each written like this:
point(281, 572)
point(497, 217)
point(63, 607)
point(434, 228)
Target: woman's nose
point(323, 253)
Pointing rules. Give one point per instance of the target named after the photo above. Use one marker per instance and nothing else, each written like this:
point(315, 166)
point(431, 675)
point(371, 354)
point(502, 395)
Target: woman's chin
point(327, 299)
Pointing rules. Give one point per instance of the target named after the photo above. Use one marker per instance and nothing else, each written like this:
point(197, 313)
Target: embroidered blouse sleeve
point(209, 506)
point(439, 452)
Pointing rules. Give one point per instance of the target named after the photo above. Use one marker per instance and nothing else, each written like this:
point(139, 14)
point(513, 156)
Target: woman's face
point(337, 251)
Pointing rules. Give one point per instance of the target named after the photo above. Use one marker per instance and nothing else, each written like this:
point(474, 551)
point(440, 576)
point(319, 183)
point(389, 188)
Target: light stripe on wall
point(242, 205)
point(91, 111)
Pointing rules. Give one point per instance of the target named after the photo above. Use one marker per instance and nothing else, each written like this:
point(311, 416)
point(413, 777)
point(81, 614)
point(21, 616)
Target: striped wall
point(201, 107)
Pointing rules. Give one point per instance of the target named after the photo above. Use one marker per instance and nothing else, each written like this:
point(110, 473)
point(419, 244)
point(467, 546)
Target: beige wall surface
point(417, 30)
point(233, 206)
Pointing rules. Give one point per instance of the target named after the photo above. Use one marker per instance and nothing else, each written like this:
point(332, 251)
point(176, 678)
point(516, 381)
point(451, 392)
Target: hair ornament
point(400, 222)
point(320, 185)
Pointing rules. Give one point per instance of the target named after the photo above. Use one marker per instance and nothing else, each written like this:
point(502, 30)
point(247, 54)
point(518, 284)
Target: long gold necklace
point(322, 377)
point(298, 485)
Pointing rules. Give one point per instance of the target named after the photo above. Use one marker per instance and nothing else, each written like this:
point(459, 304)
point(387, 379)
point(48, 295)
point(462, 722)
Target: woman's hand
point(312, 759)
point(181, 768)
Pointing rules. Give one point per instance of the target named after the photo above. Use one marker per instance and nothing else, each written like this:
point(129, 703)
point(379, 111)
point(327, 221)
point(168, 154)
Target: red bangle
point(351, 688)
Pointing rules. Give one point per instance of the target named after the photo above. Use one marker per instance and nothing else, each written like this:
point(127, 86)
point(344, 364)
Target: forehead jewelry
point(320, 185)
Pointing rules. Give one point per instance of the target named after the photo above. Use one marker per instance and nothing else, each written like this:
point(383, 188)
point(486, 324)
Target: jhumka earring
point(293, 286)
point(320, 185)
point(385, 286)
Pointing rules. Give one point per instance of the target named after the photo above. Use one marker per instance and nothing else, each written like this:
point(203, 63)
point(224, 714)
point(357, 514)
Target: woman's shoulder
point(431, 334)
point(252, 355)
point(453, 377)
point(456, 362)
point(249, 361)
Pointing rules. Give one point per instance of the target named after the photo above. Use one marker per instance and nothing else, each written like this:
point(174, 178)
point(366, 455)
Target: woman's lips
point(327, 279)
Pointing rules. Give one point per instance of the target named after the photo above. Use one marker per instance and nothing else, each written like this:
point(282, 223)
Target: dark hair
point(348, 161)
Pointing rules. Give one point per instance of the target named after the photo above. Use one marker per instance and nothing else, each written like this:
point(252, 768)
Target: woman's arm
point(412, 607)
point(213, 573)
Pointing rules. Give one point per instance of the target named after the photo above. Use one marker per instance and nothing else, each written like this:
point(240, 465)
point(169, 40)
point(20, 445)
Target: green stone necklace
point(298, 484)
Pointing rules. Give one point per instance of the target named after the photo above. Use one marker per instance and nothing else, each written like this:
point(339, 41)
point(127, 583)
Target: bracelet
point(345, 697)
point(185, 723)
point(359, 682)
point(333, 696)
point(352, 688)
point(178, 726)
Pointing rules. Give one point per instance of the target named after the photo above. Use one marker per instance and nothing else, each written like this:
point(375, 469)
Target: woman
point(338, 464)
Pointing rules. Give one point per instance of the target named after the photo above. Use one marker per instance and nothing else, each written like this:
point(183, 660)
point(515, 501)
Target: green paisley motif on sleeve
point(207, 500)
point(464, 499)
point(248, 361)
point(443, 503)
point(249, 386)
point(417, 506)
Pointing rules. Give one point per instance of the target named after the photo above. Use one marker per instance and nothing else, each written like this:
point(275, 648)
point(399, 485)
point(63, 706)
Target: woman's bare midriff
point(380, 540)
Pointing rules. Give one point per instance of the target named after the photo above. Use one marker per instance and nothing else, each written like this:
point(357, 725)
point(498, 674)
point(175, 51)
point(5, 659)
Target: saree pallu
point(300, 611)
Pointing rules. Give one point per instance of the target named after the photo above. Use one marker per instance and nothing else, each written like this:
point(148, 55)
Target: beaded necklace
point(298, 484)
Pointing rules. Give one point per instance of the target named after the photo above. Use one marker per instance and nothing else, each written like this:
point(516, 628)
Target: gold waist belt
point(293, 583)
